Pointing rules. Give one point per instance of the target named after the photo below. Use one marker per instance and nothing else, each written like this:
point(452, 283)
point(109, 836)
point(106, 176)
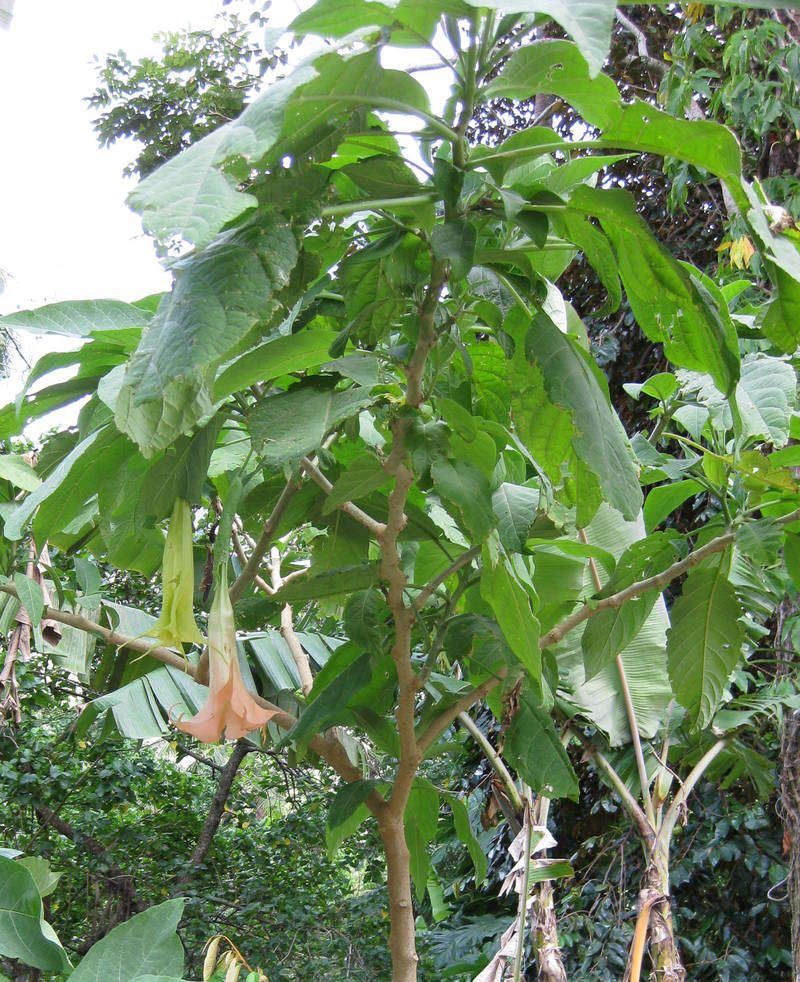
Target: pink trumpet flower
point(229, 706)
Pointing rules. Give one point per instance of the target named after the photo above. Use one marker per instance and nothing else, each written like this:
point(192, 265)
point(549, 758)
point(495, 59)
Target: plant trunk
point(548, 949)
point(790, 779)
point(402, 940)
point(664, 955)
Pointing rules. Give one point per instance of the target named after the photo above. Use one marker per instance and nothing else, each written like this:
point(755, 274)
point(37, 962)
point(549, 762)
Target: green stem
point(494, 759)
point(375, 204)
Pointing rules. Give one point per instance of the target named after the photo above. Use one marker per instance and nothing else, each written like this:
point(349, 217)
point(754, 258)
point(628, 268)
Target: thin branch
point(287, 627)
point(657, 582)
point(373, 526)
point(632, 806)
point(259, 581)
point(217, 809)
point(494, 759)
point(431, 588)
point(260, 549)
point(655, 64)
point(327, 746)
point(681, 796)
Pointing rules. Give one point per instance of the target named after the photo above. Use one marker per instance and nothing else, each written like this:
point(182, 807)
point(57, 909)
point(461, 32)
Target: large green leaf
point(420, 820)
point(330, 705)
point(217, 297)
point(341, 86)
point(467, 488)
point(77, 318)
point(13, 468)
point(192, 196)
point(464, 832)
point(30, 596)
point(292, 353)
point(672, 307)
point(574, 382)
point(24, 934)
point(512, 608)
point(516, 507)
point(154, 425)
point(610, 631)
point(644, 658)
point(291, 424)
point(532, 746)
point(558, 68)
point(589, 22)
point(454, 242)
point(765, 397)
point(338, 18)
point(664, 499)
point(76, 478)
point(704, 644)
point(180, 473)
point(145, 945)
point(363, 475)
point(347, 811)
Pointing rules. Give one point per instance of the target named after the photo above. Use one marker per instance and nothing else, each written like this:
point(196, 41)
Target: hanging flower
point(229, 707)
point(176, 623)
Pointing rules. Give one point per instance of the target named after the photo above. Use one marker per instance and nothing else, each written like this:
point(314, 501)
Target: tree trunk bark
point(664, 955)
point(548, 949)
point(402, 935)
point(790, 779)
point(215, 812)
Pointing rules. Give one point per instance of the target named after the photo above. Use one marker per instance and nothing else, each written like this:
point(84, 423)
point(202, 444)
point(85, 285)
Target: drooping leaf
point(14, 469)
point(467, 836)
point(347, 811)
point(192, 196)
point(664, 499)
point(331, 703)
point(363, 475)
point(608, 632)
point(77, 477)
point(671, 306)
point(574, 382)
point(45, 879)
point(512, 608)
point(559, 68)
point(454, 243)
point(217, 297)
point(516, 507)
point(533, 748)
point(468, 489)
point(704, 644)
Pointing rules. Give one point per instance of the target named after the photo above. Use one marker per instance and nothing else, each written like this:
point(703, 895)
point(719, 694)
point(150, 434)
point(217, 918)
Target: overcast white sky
point(65, 231)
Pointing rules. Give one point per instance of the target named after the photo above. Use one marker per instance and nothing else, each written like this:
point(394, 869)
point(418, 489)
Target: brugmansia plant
point(366, 369)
